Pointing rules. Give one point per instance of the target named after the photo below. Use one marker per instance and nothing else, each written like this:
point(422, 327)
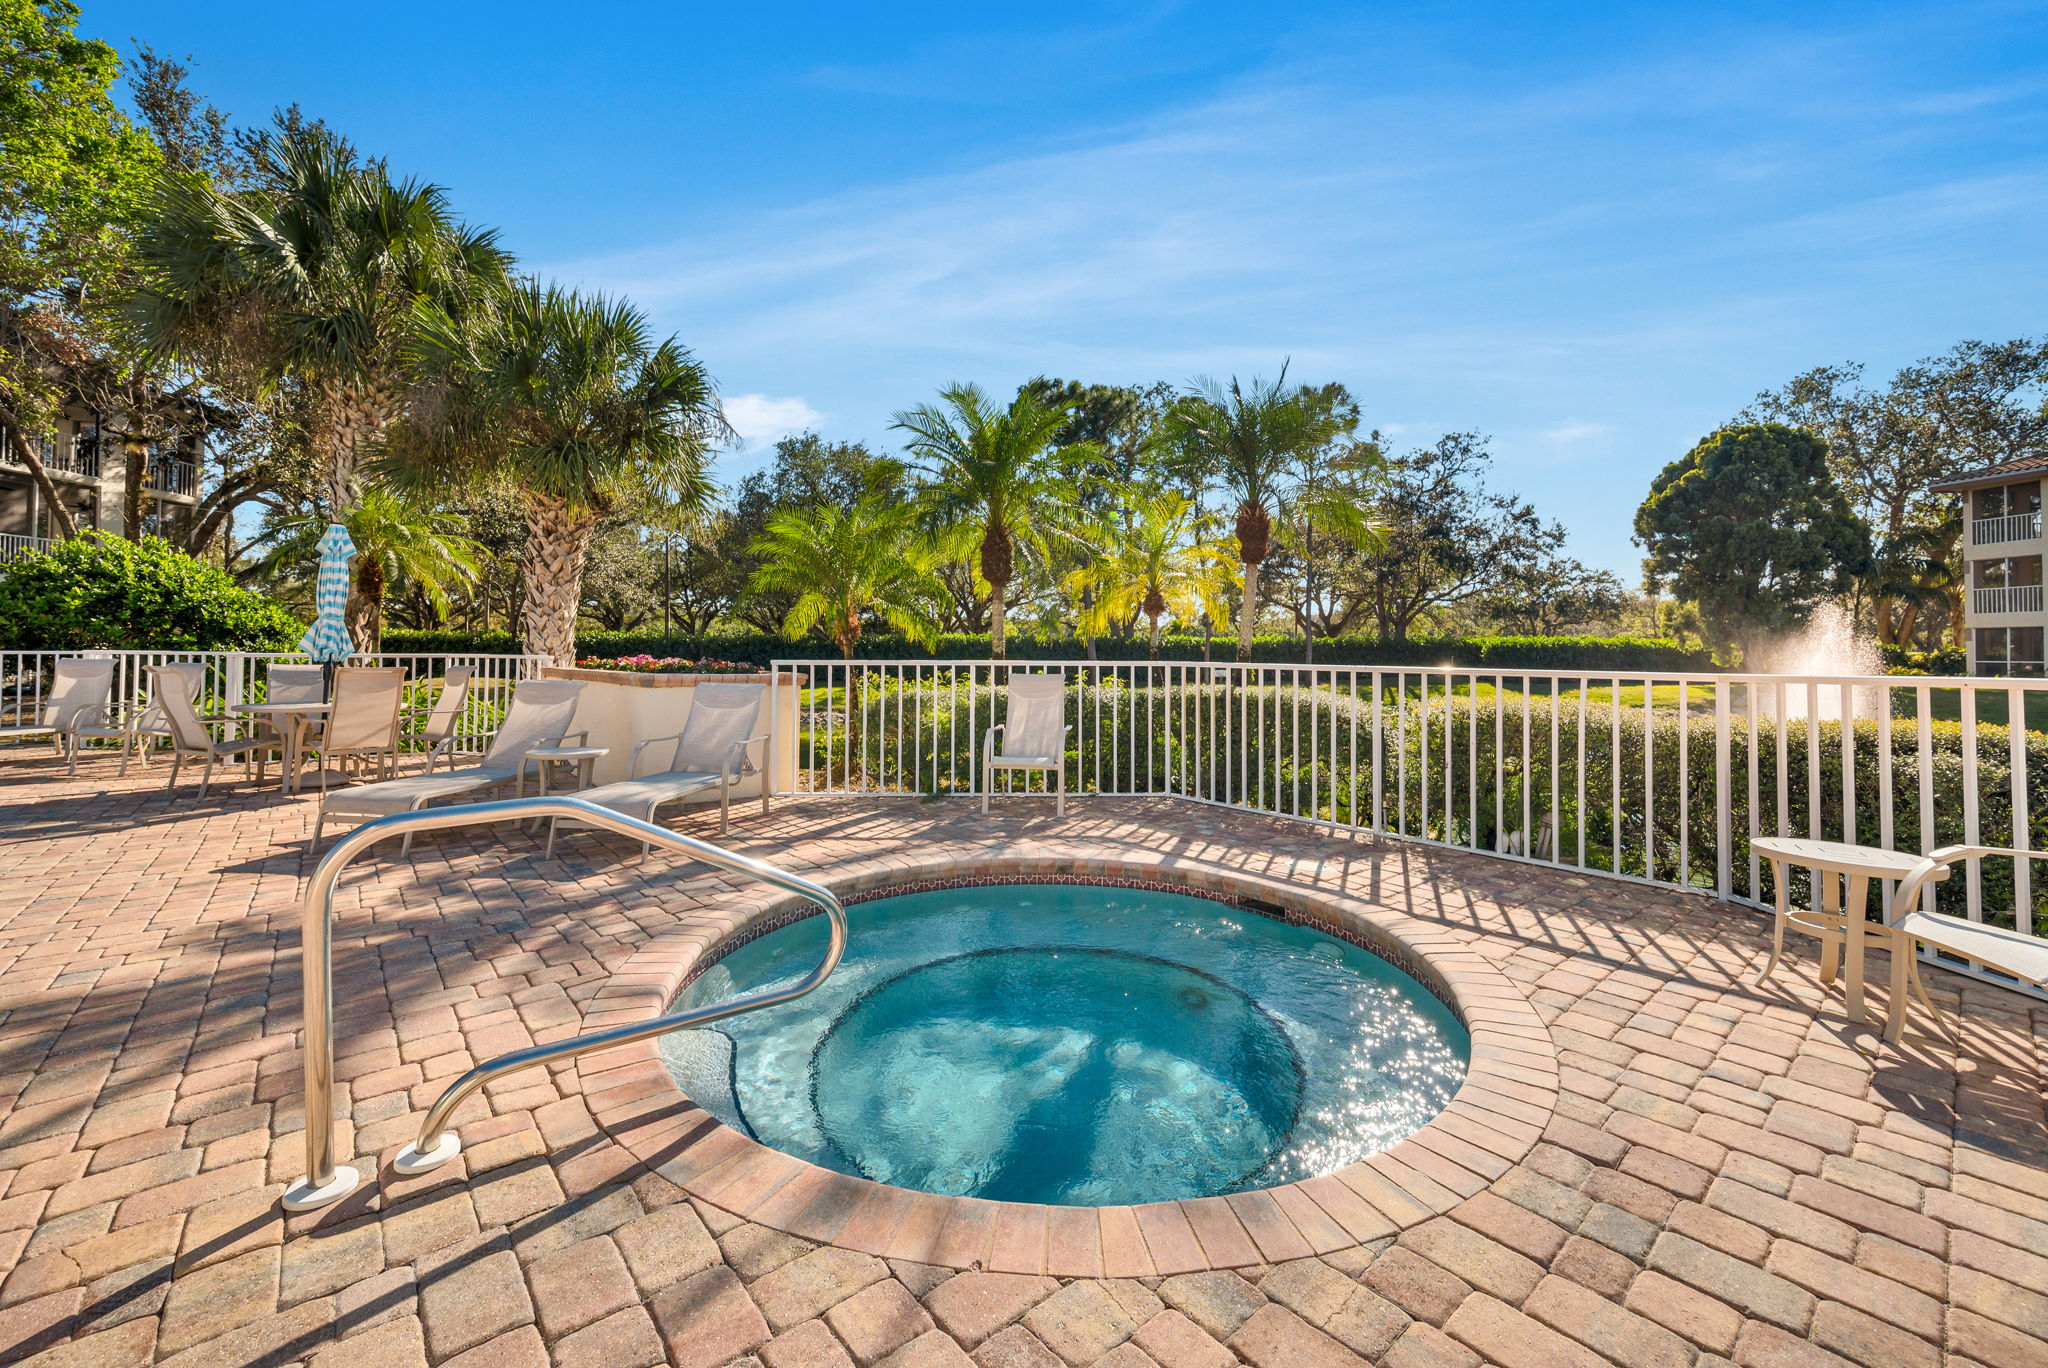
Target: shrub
point(1625, 654)
point(99, 592)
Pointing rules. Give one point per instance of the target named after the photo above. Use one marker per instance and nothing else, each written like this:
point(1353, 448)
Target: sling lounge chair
point(80, 700)
point(2016, 953)
point(1034, 735)
point(713, 750)
point(189, 737)
point(539, 715)
point(438, 724)
point(363, 723)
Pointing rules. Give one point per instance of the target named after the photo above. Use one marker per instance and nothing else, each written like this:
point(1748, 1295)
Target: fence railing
point(234, 677)
point(2009, 598)
point(2009, 528)
point(13, 546)
point(1654, 778)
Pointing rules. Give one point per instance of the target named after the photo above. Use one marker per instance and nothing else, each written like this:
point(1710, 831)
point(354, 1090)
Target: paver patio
point(1728, 1174)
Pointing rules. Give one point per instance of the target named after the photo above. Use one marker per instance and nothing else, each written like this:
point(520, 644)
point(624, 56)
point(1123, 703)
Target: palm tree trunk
point(1248, 612)
point(135, 463)
point(1153, 637)
point(552, 564)
point(352, 417)
point(997, 642)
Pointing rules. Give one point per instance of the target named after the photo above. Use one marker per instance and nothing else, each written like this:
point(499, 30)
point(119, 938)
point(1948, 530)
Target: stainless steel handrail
point(327, 1182)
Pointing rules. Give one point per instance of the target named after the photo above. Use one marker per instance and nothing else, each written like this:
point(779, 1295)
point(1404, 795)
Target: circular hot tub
point(1072, 1044)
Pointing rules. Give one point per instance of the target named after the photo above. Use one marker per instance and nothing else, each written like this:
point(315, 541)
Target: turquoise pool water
point(1072, 1044)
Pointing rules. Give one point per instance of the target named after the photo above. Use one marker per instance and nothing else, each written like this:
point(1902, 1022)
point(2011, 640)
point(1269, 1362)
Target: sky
point(1590, 232)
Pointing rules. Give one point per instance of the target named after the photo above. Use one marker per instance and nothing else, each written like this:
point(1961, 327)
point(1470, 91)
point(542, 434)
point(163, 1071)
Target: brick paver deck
point(1727, 1174)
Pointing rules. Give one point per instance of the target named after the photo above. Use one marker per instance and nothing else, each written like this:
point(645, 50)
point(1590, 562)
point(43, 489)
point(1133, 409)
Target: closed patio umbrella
point(327, 640)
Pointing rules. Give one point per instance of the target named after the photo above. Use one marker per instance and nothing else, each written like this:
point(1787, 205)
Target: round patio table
point(297, 717)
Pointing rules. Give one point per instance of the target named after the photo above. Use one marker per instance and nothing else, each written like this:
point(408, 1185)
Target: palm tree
point(995, 470)
point(566, 399)
point(400, 546)
point(1165, 563)
point(1251, 437)
point(312, 275)
point(843, 563)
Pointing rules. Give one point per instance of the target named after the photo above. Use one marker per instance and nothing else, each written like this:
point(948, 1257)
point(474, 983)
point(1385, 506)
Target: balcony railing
point(79, 456)
point(2013, 598)
point(170, 476)
point(2010, 528)
point(13, 547)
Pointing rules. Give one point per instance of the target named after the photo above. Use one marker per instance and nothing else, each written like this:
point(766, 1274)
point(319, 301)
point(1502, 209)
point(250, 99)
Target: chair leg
point(319, 824)
point(1059, 807)
point(177, 763)
point(125, 739)
point(205, 777)
point(70, 755)
point(724, 809)
point(549, 852)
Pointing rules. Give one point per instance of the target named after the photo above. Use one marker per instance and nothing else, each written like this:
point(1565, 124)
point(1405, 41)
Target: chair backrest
point(1036, 720)
point(296, 684)
point(719, 715)
point(447, 713)
point(80, 691)
point(540, 712)
point(187, 677)
point(167, 687)
point(365, 711)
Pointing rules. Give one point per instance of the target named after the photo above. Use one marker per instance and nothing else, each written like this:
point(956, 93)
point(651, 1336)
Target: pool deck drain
point(1727, 1174)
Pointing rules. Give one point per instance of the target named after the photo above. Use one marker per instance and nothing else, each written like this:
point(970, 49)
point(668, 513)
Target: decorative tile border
point(1490, 1124)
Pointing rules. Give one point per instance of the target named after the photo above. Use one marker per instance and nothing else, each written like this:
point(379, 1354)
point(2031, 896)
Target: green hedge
point(1505, 653)
point(101, 592)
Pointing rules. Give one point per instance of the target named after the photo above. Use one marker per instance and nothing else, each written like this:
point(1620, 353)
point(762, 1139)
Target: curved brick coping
point(1490, 1124)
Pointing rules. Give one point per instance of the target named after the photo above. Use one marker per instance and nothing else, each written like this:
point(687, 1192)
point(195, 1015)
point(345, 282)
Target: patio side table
point(1841, 932)
point(583, 758)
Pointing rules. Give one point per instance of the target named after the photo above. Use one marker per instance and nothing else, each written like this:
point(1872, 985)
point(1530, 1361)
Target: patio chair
point(539, 715)
point(1034, 733)
point(148, 725)
point(438, 724)
point(713, 750)
point(2016, 953)
point(188, 731)
point(363, 724)
point(79, 701)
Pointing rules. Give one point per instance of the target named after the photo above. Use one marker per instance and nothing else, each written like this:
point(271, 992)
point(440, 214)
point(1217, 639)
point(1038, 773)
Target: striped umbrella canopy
point(327, 640)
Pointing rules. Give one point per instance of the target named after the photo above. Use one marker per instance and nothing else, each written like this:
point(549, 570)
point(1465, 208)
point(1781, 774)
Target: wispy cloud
point(761, 419)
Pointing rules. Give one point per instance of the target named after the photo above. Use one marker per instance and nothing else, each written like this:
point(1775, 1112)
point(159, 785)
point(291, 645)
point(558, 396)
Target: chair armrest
point(736, 762)
point(1935, 867)
point(633, 761)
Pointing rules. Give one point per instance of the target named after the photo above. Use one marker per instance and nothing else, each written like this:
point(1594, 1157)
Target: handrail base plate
point(304, 1196)
point(412, 1159)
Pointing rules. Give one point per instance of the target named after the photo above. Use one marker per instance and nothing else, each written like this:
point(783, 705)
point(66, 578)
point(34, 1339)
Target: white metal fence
point(234, 677)
point(1657, 778)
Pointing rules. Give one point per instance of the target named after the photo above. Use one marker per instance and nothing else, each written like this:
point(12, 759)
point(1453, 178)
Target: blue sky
point(1592, 232)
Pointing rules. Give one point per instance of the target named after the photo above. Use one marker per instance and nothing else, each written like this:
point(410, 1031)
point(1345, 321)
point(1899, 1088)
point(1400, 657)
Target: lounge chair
point(148, 725)
point(363, 722)
point(187, 729)
point(2016, 953)
point(538, 715)
point(439, 723)
point(1034, 732)
point(80, 701)
point(713, 750)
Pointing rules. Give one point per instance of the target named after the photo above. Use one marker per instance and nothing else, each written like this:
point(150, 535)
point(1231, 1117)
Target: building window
point(2003, 500)
point(2009, 651)
point(2007, 572)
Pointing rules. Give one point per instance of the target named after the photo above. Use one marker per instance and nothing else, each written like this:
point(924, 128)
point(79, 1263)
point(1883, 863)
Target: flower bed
point(647, 664)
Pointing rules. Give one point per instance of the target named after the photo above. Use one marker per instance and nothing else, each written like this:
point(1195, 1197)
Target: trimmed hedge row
point(1498, 652)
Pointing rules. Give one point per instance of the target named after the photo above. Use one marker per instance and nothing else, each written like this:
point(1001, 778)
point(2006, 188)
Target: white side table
point(1833, 863)
point(583, 758)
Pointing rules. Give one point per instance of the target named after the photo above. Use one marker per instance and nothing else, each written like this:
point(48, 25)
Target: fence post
point(1724, 881)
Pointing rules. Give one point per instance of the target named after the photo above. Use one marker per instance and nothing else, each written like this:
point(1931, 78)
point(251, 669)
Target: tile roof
point(2019, 465)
